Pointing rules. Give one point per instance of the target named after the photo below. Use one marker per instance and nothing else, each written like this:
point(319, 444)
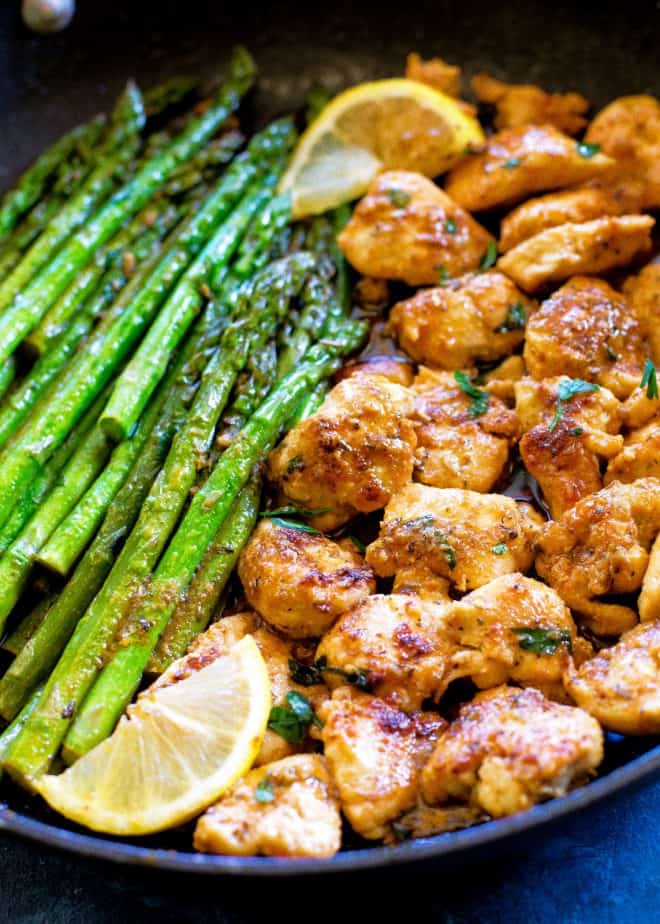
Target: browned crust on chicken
point(527, 104)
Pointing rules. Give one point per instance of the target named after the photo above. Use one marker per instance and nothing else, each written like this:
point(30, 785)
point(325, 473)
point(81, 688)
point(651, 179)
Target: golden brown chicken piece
point(429, 820)
point(375, 754)
point(601, 546)
point(300, 582)
point(648, 602)
point(285, 809)
point(419, 581)
point(509, 749)
point(574, 206)
point(518, 162)
point(397, 643)
point(643, 294)
point(435, 73)
point(621, 686)
point(407, 228)
point(395, 368)
point(477, 317)
point(639, 456)
point(586, 330)
point(466, 537)
point(455, 449)
point(628, 129)
point(352, 454)
point(591, 247)
point(515, 629)
point(565, 440)
point(526, 104)
point(218, 639)
point(500, 381)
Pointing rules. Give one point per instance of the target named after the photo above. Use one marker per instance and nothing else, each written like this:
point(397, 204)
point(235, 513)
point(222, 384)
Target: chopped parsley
point(292, 722)
point(567, 390)
point(264, 791)
point(515, 319)
point(295, 464)
point(499, 549)
point(610, 353)
point(443, 275)
point(587, 150)
point(512, 163)
point(450, 226)
point(480, 399)
point(294, 524)
point(427, 524)
point(490, 257)
point(398, 198)
point(357, 678)
point(292, 511)
point(358, 543)
point(650, 379)
point(542, 641)
point(577, 431)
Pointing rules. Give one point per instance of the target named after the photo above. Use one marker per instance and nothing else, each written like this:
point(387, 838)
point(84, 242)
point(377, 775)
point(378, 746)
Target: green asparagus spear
point(217, 153)
point(159, 98)
point(7, 375)
point(309, 404)
point(10, 734)
point(26, 628)
point(26, 311)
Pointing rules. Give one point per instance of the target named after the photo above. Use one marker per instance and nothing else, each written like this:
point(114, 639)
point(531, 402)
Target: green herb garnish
point(427, 525)
point(650, 379)
point(587, 150)
point(399, 198)
point(542, 641)
point(264, 791)
point(565, 391)
point(295, 464)
point(480, 399)
point(610, 353)
point(294, 524)
point(450, 226)
point(292, 511)
point(357, 678)
point(515, 319)
point(307, 675)
point(358, 543)
point(489, 258)
point(443, 275)
point(511, 163)
point(293, 723)
point(577, 431)
point(499, 549)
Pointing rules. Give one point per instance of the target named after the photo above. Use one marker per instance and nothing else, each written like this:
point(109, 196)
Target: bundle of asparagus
point(160, 326)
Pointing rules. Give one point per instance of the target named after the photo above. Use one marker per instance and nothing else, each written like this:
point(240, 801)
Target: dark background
point(601, 865)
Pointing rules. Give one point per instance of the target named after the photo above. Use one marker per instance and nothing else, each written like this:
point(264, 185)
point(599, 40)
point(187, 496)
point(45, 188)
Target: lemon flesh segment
point(178, 749)
point(399, 124)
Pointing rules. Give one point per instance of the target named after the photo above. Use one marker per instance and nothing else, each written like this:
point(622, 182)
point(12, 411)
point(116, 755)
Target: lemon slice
point(400, 124)
point(178, 749)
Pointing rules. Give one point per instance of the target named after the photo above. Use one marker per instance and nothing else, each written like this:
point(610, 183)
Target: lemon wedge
point(178, 749)
point(399, 124)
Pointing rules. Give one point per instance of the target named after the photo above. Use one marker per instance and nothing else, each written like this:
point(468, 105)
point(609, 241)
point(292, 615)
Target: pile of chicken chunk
point(466, 664)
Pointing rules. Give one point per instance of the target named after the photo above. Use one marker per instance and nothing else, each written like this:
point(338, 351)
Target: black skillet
point(603, 50)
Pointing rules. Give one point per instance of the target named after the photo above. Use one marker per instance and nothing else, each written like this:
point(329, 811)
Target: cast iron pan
point(603, 50)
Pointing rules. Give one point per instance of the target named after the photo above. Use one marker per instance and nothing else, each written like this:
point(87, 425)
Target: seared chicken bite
point(454, 448)
point(435, 73)
point(300, 582)
point(586, 330)
point(285, 809)
point(476, 317)
point(466, 537)
point(601, 546)
point(352, 454)
point(526, 104)
point(648, 602)
point(407, 228)
point(639, 456)
point(574, 206)
point(643, 294)
point(518, 162)
point(397, 644)
point(621, 686)
point(375, 753)
point(592, 247)
point(565, 440)
point(518, 629)
point(509, 749)
point(628, 129)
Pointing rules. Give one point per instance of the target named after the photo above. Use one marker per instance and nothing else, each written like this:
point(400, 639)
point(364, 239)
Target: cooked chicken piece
point(526, 104)
point(430, 820)
point(420, 581)
point(586, 330)
point(648, 602)
point(592, 247)
point(300, 582)
point(515, 629)
point(375, 754)
point(394, 368)
point(477, 317)
point(574, 206)
point(454, 534)
point(621, 686)
point(601, 546)
point(639, 456)
point(628, 129)
point(509, 749)
point(407, 228)
point(435, 73)
point(397, 643)
point(352, 454)
point(455, 449)
point(500, 381)
point(518, 162)
point(285, 809)
point(371, 293)
point(218, 639)
point(565, 440)
point(643, 294)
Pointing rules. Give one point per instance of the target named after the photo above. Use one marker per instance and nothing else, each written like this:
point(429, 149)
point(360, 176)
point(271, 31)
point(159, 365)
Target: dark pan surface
point(601, 49)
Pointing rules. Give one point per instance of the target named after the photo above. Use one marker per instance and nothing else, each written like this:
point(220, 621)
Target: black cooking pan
point(602, 49)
